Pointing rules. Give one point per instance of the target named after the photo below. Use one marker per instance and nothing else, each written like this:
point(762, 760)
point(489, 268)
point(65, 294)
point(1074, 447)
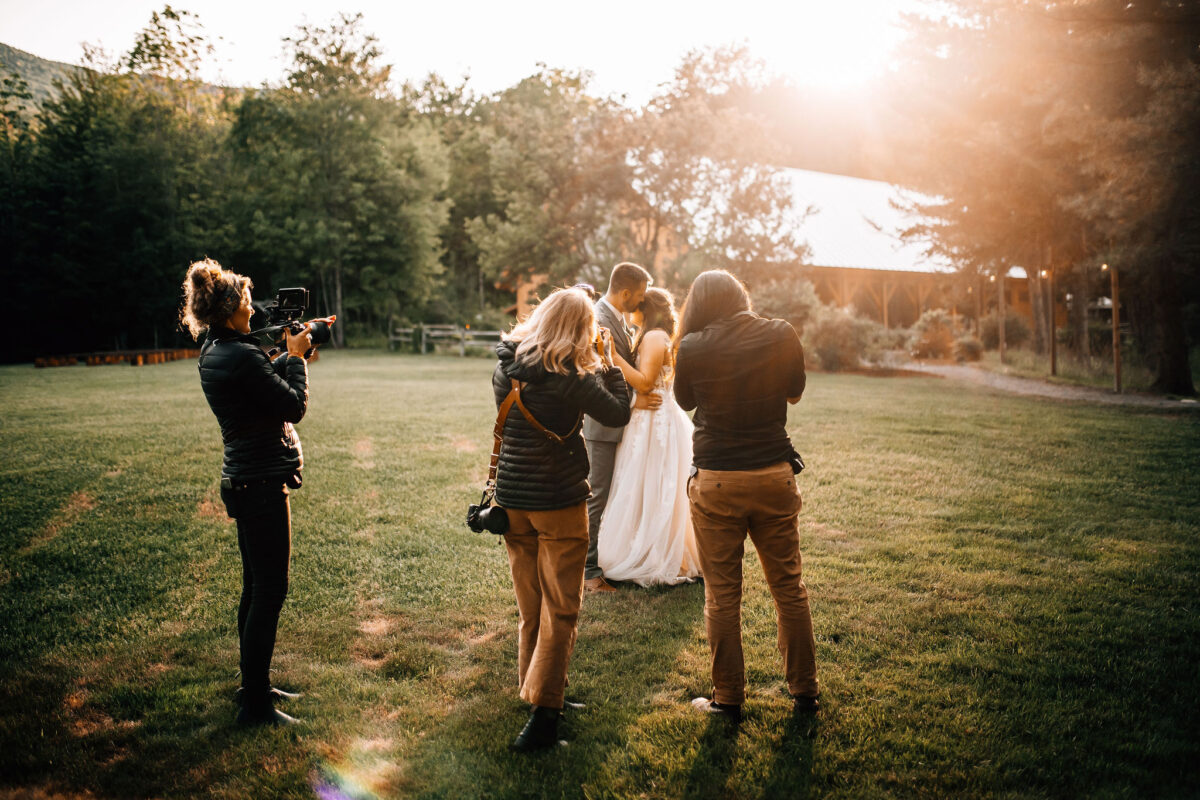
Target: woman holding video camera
point(561, 365)
point(256, 402)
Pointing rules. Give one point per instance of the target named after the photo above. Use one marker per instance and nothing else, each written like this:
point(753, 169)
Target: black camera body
point(283, 314)
point(486, 517)
point(288, 307)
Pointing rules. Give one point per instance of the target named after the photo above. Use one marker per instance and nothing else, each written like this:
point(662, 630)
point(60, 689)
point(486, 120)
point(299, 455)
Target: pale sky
point(631, 47)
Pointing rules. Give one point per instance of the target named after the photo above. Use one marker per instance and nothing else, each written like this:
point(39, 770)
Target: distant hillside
point(39, 73)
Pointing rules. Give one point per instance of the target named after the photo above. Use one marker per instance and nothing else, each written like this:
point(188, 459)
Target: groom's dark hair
point(628, 275)
point(714, 295)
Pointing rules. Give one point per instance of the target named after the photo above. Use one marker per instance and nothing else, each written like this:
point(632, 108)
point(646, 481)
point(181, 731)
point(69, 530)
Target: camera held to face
point(284, 313)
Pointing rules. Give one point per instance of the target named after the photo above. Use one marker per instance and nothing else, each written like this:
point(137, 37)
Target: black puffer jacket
point(536, 473)
point(256, 402)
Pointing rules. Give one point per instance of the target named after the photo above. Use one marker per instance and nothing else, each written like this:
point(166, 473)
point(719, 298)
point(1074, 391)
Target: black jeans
point(264, 526)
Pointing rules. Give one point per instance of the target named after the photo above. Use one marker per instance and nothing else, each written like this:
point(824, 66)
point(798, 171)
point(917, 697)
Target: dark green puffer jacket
point(536, 473)
point(255, 402)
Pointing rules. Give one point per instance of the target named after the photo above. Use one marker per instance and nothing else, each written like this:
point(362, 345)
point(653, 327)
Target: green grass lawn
point(1095, 371)
point(1004, 592)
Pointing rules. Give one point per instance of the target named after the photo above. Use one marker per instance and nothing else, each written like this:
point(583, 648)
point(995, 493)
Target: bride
point(646, 534)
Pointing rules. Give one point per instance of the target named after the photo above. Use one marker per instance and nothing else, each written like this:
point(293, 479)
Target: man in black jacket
point(626, 288)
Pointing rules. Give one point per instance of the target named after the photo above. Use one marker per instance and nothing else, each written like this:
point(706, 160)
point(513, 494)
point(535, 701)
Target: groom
point(626, 288)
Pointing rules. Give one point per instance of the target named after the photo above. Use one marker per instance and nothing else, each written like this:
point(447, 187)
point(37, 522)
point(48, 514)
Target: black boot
point(277, 695)
point(258, 708)
point(540, 732)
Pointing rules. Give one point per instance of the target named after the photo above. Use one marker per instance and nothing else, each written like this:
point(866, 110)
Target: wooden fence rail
point(427, 338)
point(134, 358)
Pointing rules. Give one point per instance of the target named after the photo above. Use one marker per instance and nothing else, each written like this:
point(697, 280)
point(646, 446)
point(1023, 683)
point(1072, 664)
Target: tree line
point(1054, 137)
point(1061, 137)
point(427, 202)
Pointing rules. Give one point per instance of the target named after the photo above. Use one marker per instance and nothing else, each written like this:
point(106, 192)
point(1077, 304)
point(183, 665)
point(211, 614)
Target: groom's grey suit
point(602, 441)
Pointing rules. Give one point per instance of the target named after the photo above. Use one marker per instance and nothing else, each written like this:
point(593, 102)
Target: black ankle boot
point(277, 695)
point(258, 708)
point(540, 732)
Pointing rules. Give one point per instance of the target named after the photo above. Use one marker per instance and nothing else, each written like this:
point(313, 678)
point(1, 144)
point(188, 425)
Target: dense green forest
point(424, 201)
point(1056, 138)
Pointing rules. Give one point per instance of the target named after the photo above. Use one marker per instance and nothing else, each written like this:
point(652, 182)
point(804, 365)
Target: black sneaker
point(540, 731)
point(727, 710)
point(802, 704)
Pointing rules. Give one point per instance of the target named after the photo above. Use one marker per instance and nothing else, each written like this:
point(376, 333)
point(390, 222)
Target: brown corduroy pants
point(546, 551)
point(765, 502)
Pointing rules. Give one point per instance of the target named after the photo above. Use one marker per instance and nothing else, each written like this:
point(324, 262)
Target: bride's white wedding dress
point(646, 534)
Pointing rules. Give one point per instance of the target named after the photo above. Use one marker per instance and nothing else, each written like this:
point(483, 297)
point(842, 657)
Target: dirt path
point(1057, 391)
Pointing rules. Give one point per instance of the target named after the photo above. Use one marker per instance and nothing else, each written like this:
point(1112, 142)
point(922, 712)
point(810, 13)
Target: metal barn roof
point(855, 224)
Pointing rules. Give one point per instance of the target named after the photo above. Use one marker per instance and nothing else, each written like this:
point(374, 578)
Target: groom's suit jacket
point(609, 317)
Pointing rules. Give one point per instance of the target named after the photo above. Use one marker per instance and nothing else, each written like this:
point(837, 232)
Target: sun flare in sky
point(832, 45)
point(630, 47)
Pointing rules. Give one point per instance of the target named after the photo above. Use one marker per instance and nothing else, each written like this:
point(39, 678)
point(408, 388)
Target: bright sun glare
point(830, 45)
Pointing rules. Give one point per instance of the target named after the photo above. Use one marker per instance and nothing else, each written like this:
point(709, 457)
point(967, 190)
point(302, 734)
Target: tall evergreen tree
point(117, 195)
point(1055, 136)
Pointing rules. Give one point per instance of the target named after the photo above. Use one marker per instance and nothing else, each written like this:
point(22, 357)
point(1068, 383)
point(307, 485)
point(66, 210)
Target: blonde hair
point(211, 294)
point(560, 332)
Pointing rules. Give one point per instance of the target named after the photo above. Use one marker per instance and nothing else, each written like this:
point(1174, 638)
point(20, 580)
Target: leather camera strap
point(498, 434)
point(532, 421)
point(514, 396)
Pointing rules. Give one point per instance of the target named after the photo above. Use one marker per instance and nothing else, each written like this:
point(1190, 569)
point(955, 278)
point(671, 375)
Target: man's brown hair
point(628, 275)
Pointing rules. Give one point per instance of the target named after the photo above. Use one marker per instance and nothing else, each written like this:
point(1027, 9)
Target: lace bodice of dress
point(665, 376)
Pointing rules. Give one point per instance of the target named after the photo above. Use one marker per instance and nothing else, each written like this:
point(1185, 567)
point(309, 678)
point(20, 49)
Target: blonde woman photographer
point(561, 367)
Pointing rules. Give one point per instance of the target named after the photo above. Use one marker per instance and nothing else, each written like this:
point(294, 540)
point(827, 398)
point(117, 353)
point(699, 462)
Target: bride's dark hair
point(714, 295)
point(658, 313)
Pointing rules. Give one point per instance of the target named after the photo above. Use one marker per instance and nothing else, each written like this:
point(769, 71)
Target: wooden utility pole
point(1116, 326)
point(887, 296)
point(1000, 316)
point(979, 306)
point(1051, 330)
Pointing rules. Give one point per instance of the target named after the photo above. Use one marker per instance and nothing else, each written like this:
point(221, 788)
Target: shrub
point(1099, 338)
point(364, 335)
point(1016, 331)
point(968, 348)
point(933, 335)
point(884, 339)
point(791, 298)
point(837, 340)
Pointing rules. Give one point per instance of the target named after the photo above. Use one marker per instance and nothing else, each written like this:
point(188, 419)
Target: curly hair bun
point(210, 294)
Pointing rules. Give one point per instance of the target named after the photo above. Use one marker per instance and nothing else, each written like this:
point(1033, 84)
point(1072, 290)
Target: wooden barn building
point(857, 260)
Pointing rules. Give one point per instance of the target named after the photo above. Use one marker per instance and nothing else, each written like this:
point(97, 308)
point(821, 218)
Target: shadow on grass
point(714, 760)
point(792, 770)
point(113, 733)
point(624, 664)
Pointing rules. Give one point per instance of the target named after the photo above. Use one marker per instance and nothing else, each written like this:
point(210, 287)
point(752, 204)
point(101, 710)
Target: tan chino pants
point(765, 502)
point(546, 551)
